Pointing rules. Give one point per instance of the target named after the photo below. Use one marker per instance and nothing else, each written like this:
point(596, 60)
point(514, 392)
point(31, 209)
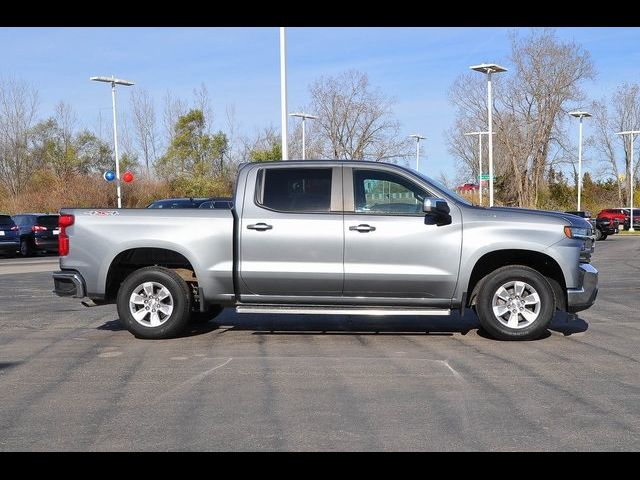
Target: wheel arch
point(539, 261)
point(131, 259)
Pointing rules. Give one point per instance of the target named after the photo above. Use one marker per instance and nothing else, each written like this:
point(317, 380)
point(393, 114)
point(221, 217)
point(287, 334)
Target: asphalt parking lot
point(71, 378)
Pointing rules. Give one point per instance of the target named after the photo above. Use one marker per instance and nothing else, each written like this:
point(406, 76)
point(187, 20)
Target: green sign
point(485, 176)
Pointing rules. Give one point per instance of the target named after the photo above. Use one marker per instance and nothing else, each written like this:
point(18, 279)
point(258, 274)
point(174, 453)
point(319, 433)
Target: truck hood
point(517, 213)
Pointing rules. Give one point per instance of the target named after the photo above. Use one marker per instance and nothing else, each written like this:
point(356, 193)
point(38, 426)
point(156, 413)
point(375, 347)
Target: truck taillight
point(14, 228)
point(38, 228)
point(63, 239)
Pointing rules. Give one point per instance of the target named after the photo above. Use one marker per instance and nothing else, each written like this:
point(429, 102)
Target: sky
point(240, 68)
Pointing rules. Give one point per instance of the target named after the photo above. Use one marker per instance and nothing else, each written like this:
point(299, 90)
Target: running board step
point(339, 310)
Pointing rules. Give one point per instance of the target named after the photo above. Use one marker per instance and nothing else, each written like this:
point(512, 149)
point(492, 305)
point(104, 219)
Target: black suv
point(225, 203)
point(9, 238)
point(38, 232)
point(178, 203)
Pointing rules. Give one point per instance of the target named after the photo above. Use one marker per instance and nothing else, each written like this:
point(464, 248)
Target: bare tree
point(125, 140)
point(174, 108)
point(623, 115)
point(530, 109)
point(144, 126)
point(355, 120)
point(202, 102)
point(18, 109)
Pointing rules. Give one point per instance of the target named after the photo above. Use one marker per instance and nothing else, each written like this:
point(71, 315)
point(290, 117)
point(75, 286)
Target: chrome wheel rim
point(151, 304)
point(516, 304)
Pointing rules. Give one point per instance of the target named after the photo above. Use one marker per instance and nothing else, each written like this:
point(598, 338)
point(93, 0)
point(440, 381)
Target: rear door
point(291, 235)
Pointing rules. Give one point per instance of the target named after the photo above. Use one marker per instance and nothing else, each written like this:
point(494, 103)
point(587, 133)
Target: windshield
point(441, 186)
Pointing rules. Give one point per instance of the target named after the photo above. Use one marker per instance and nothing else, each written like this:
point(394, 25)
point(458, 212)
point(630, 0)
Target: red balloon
point(127, 177)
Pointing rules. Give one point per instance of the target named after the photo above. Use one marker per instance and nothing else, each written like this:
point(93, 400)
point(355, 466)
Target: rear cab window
point(295, 190)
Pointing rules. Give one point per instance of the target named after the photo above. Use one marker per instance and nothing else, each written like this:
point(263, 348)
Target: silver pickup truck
point(330, 237)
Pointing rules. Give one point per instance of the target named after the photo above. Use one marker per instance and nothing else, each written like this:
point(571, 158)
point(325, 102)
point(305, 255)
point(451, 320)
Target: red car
point(613, 214)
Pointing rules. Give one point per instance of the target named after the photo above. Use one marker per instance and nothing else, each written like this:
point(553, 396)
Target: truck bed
point(203, 236)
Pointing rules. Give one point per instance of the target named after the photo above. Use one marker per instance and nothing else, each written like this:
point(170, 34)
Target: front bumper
point(583, 297)
point(69, 283)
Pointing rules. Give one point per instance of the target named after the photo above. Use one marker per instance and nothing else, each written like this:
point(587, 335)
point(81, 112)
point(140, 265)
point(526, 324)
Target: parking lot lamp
point(418, 138)
point(632, 134)
point(115, 81)
point(304, 116)
point(488, 69)
point(579, 115)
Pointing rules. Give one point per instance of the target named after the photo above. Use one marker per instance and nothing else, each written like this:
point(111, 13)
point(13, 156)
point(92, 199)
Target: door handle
point(362, 228)
point(260, 227)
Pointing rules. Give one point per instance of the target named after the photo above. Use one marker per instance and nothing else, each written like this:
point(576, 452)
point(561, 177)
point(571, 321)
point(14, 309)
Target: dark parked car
point(223, 202)
point(189, 202)
point(602, 226)
point(9, 237)
point(636, 218)
point(38, 232)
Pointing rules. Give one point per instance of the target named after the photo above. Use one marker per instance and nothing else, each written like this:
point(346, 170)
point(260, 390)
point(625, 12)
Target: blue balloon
point(109, 175)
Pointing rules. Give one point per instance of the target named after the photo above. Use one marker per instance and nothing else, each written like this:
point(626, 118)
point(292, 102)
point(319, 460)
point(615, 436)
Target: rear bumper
point(583, 297)
point(609, 230)
point(48, 244)
point(9, 246)
point(68, 283)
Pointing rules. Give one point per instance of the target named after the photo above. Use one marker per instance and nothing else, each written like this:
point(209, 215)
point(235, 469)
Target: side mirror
point(437, 211)
point(437, 206)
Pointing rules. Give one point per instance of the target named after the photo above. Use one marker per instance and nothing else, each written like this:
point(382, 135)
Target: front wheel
point(598, 234)
point(604, 236)
point(154, 303)
point(515, 303)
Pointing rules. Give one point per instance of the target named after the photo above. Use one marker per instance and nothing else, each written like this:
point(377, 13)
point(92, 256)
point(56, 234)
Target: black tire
point(206, 317)
point(26, 250)
point(598, 234)
point(173, 324)
point(490, 287)
point(604, 236)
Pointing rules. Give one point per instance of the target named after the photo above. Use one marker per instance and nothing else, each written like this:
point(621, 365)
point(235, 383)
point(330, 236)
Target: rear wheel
point(154, 303)
point(25, 248)
point(515, 303)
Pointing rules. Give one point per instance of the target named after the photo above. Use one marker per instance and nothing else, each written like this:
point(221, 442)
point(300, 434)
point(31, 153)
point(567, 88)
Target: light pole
point(115, 81)
point(418, 138)
point(283, 92)
point(632, 134)
point(579, 115)
point(303, 116)
point(489, 68)
point(479, 134)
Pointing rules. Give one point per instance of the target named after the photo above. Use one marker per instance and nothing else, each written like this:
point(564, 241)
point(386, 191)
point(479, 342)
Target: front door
point(291, 235)
point(390, 249)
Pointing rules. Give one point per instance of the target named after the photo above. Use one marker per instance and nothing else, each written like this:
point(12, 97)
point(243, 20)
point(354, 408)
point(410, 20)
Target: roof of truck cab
point(350, 163)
